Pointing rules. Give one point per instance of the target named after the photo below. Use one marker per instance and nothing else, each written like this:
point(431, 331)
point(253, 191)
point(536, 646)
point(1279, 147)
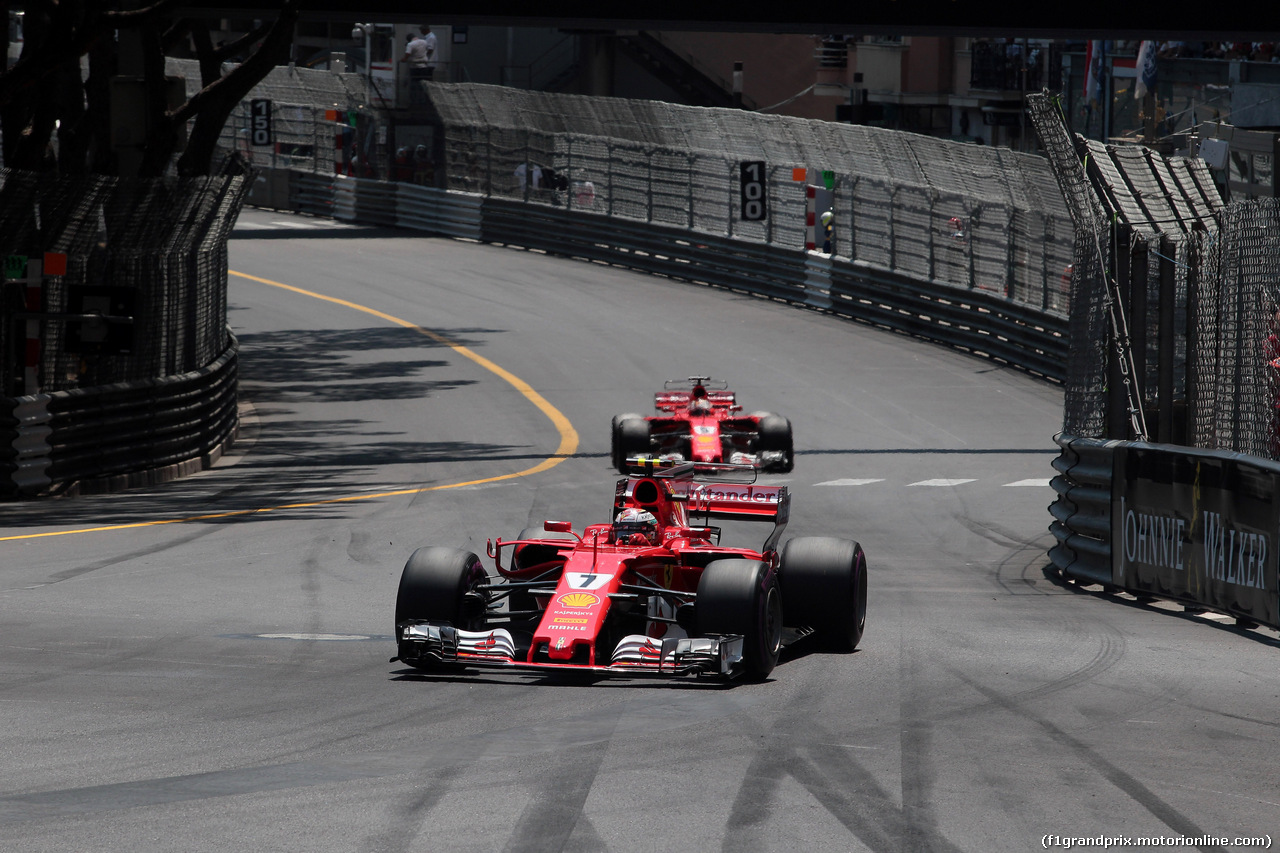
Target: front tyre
point(742, 597)
point(615, 441)
point(775, 435)
point(438, 584)
point(631, 438)
point(825, 581)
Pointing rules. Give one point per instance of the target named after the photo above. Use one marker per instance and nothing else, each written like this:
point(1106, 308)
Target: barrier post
point(933, 263)
point(853, 228)
point(1166, 345)
point(693, 158)
point(649, 186)
point(31, 358)
point(732, 195)
point(810, 217)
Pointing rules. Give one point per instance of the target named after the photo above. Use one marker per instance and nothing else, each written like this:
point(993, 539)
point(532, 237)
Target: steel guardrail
point(116, 436)
point(973, 320)
point(1082, 509)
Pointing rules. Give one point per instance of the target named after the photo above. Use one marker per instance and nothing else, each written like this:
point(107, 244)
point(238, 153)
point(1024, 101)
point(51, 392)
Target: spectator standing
point(530, 177)
point(430, 38)
point(419, 53)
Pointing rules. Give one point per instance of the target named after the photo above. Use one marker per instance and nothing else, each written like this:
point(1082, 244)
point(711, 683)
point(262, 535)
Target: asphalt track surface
point(203, 666)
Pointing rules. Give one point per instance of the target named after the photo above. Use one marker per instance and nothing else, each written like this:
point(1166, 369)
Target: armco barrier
point(755, 268)
point(1082, 510)
point(1198, 527)
point(437, 211)
point(973, 320)
point(116, 436)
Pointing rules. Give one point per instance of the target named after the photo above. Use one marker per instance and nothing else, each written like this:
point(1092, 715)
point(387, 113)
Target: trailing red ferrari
point(651, 592)
point(701, 421)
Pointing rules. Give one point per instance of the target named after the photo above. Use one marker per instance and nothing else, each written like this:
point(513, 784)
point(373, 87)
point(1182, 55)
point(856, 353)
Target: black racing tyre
point(531, 555)
point(825, 582)
point(775, 434)
point(632, 440)
point(433, 584)
point(615, 442)
point(742, 597)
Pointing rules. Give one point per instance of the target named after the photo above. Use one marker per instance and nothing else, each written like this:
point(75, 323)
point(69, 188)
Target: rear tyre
point(825, 581)
point(775, 434)
point(742, 597)
point(631, 439)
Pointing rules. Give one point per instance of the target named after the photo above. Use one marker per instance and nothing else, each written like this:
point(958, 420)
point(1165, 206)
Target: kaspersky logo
point(578, 599)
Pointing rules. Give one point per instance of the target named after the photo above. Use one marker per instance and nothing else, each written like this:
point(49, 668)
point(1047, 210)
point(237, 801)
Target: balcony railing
point(832, 53)
point(1015, 66)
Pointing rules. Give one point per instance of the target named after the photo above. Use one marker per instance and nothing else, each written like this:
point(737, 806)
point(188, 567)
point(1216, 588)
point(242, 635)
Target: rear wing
point(742, 502)
point(671, 401)
point(745, 500)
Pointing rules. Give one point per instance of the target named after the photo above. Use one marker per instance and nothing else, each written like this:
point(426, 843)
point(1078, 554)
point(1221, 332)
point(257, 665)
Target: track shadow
point(1190, 613)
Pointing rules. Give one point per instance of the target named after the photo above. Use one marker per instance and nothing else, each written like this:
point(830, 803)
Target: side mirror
point(558, 526)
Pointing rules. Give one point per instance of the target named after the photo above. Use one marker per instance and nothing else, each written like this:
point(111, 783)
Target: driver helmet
point(635, 527)
point(700, 406)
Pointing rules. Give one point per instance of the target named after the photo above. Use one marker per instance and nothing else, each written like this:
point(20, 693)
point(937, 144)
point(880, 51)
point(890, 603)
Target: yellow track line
point(568, 435)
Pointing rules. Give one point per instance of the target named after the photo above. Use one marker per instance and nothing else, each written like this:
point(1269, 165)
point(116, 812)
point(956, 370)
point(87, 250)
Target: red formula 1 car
point(701, 421)
point(651, 593)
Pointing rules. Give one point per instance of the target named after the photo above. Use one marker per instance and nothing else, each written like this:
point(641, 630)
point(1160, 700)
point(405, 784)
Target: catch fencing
point(1196, 283)
point(1166, 486)
point(952, 213)
point(115, 356)
point(958, 215)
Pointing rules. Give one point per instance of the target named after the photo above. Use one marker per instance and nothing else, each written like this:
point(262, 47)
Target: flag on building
point(1146, 70)
point(1095, 57)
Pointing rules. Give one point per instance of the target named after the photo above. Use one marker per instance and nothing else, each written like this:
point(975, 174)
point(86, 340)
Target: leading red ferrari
point(701, 421)
point(652, 591)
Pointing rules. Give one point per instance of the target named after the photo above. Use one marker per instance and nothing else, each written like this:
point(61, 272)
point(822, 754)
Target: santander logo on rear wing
point(742, 501)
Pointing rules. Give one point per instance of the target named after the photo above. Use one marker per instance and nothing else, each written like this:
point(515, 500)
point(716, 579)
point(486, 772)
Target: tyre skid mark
point(554, 814)
point(842, 786)
point(1121, 779)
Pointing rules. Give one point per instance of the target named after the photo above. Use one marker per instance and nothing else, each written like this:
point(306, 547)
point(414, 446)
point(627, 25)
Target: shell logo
point(578, 599)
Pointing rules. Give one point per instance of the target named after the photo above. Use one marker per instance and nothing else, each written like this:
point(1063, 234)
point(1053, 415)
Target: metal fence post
point(729, 183)
point(893, 231)
point(1044, 262)
point(528, 173)
point(649, 186)
point(488, 161)
point(933, 267)
point(970, 229)
point(853, 228)
point(1011, 259)
point(773, 197)
point(1166, 344)
point(609, 174)
point(568, 171)
point(693, 158)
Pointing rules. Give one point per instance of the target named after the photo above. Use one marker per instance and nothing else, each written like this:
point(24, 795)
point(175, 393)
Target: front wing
point(438, 643)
